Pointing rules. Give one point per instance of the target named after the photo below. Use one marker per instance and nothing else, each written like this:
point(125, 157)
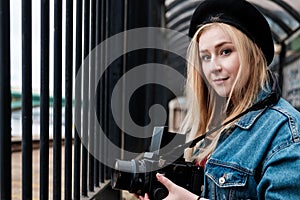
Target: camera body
point(139, 175)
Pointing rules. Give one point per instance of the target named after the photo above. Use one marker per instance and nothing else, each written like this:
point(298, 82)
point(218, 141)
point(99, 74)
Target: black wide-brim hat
point(240, 14)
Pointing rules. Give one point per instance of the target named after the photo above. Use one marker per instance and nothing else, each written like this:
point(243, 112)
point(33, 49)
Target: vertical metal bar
point(102, 90)
point(77, 116)
point(26, 101)
point(5, 101)
point(105, 91)
point(85, 99)
point(68, 97)
point(115, 25)
point(57, 103)
point(92, 99)
point(97, 105)
point(44, 116)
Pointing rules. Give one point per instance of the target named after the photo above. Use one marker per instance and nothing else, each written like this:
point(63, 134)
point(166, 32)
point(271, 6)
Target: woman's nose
point(217, 67)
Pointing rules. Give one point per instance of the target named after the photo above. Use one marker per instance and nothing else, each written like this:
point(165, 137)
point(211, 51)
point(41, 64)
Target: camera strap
point(270, 100)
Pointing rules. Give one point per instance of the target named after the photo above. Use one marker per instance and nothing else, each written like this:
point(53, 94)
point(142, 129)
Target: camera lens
point(123, 175)
point(131, 176)
point(160, 193)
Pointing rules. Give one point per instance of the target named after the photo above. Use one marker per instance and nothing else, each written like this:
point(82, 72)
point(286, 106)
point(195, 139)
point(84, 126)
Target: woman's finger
point(165, 181)
point(146, 197)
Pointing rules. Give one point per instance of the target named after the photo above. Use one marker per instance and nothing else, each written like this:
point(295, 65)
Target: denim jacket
point(259, 159)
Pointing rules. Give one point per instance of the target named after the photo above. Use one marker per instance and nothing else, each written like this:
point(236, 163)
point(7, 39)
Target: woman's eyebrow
point(203, 51)
point(222, 44)
point(216, 47)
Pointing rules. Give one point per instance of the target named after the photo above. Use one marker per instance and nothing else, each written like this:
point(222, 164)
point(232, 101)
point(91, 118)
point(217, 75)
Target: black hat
point(240, 14)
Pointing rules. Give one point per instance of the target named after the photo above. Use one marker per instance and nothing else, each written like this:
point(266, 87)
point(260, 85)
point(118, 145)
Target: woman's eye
point(205, 57)
point(226, 51)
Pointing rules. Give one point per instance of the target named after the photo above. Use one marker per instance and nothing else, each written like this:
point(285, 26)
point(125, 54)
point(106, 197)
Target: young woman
point(257, 155)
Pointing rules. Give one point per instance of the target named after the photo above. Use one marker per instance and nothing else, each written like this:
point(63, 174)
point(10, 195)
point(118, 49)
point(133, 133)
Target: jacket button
point(221, 180)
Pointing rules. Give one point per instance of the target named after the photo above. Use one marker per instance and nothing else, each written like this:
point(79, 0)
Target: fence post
point(85, 103)
point(92, 77)
point(44, 116)
point(5, 101)
point(26, 101)
point(57, 103)
point(68, 97)
point(44, 101)
point(77, 114)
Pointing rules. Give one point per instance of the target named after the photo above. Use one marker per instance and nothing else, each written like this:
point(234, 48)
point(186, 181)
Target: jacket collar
point(246, 121)
point(272, 86)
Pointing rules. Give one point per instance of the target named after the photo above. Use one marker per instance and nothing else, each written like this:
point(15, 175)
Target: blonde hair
point(203, 108)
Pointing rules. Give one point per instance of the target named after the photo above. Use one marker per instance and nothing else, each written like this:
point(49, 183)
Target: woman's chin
point(222, 93)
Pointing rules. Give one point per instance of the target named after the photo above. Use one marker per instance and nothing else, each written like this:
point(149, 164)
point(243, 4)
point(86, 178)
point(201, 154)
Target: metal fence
point(70, 31)
point(87, 23)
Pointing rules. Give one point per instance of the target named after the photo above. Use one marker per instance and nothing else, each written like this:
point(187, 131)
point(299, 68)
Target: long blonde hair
point(204, 104)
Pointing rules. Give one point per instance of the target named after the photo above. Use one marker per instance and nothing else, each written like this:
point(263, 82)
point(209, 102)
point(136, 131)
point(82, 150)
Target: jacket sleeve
point(281, 173)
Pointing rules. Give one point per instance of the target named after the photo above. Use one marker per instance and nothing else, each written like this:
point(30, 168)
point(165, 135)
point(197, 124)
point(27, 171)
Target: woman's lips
point(220, 80)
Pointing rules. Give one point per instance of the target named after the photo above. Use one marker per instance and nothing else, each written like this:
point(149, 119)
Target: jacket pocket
point(229, 182)
point(225, 177)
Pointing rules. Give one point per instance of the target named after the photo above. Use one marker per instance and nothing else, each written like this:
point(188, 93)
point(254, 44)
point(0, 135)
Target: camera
point(139, 175)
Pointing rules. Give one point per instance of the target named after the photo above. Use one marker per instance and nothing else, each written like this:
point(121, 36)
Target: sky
point(16, 46)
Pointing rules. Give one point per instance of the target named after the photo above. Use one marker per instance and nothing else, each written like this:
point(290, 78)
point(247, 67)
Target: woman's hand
point(175, 192)
point(146, 197)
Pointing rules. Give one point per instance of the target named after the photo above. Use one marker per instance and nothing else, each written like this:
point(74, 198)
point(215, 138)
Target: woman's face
point(219, 59)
